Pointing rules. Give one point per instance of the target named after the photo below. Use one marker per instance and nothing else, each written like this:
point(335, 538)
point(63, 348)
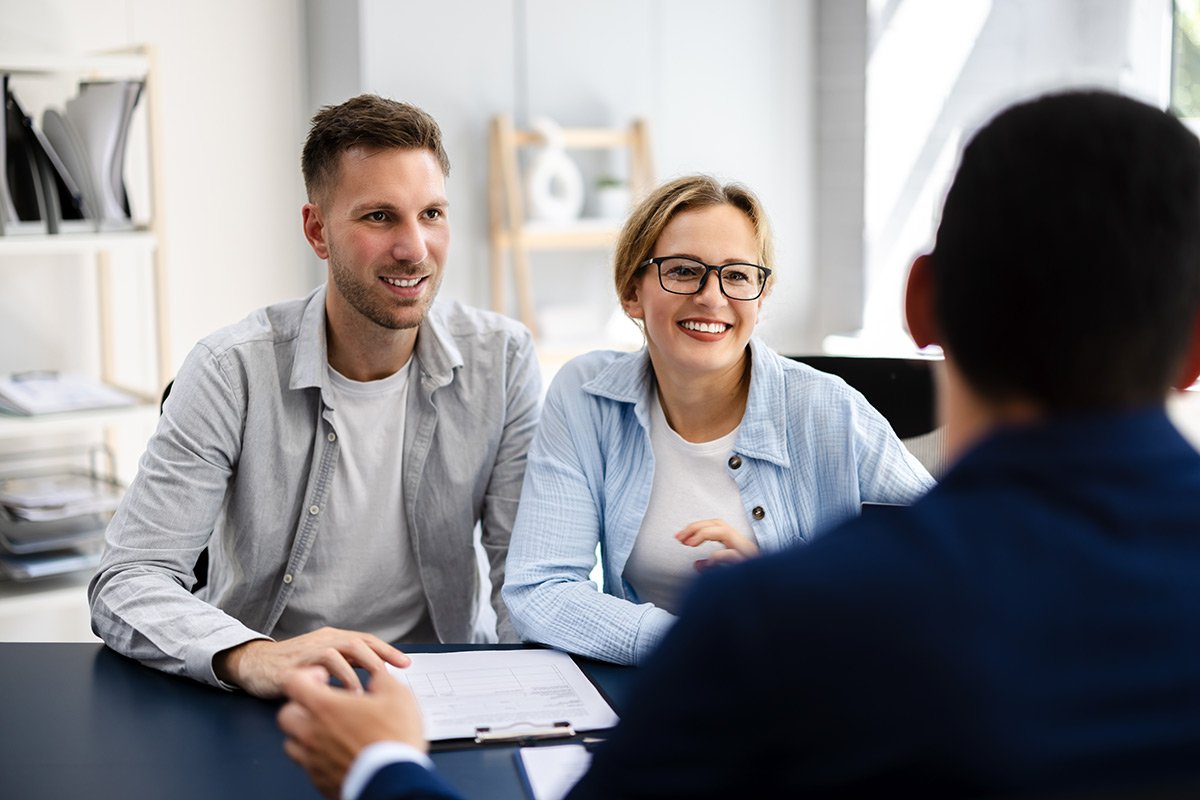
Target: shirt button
point(332, 436)
point(735, 462)
point(287, 578)
point(314, 510)
point(758, 512)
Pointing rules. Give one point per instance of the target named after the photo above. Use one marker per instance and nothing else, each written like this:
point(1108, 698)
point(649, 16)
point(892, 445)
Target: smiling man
point(332, 455)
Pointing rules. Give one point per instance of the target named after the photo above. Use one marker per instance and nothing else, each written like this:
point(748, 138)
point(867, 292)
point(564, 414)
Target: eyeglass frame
point(658, 260)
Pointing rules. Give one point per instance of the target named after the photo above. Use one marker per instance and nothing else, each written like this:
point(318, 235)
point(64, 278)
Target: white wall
point(726, 88)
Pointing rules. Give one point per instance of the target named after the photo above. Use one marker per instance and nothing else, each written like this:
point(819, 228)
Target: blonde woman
point(704, 447)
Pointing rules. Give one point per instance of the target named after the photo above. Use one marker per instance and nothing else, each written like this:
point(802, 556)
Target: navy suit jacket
point(407, 780)
point(1031, 626)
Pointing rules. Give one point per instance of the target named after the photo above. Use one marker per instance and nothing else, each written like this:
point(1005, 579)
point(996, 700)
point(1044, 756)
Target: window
point(1185, 59)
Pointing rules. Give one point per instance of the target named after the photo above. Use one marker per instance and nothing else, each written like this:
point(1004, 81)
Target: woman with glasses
point(702, 448)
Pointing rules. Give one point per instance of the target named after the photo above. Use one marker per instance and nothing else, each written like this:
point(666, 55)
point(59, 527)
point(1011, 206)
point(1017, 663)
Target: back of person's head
point(1066, 269)
point(646, 222)
point(365, 121)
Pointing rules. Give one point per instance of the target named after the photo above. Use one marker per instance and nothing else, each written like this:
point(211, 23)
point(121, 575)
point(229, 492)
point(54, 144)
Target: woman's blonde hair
point(647, 221)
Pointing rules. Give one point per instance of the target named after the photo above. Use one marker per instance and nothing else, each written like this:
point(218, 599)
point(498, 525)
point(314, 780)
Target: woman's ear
point(633, 304)
point(919, 303)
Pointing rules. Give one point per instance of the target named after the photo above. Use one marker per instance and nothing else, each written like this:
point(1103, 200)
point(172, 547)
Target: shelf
point(581, 233)
point(109, 66)
point(81, 243)
point(12, 425)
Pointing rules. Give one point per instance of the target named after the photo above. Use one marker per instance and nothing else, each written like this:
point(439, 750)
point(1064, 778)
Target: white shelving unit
point(55, 609)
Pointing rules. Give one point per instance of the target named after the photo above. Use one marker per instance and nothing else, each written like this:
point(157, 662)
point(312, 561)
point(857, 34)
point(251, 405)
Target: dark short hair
point(1066, 268)
point(366, 120)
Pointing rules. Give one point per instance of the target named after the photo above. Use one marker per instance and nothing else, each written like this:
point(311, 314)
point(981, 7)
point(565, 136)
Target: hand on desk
point(326, 727)
point(259, 667)
point(737, 546)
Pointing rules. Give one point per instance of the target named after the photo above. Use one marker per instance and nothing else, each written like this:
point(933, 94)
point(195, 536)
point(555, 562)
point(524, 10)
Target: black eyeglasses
point(680, 275)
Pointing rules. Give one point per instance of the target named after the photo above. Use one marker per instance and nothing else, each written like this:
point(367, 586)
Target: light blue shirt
point(809, 451)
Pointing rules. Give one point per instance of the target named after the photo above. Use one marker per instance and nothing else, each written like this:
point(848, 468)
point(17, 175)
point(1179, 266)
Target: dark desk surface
point(77, 720)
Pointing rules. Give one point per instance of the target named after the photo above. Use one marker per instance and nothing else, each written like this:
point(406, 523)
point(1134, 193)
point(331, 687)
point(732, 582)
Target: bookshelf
point(55, 608)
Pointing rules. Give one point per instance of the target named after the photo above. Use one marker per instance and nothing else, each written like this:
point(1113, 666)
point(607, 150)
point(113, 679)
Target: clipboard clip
point(523, 732)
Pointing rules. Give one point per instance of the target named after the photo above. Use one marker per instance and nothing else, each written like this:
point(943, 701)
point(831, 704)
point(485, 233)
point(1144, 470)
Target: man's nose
point(409, 244)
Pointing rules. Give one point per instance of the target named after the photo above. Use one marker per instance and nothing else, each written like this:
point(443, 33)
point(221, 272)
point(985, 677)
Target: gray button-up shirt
point(243, 460)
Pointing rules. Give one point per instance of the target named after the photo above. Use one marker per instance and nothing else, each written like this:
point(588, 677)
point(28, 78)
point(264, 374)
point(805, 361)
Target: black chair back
point(901, 389)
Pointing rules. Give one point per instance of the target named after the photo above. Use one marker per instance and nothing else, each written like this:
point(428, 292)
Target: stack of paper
point(46, 498)
point(52, 523)
point(48, 392)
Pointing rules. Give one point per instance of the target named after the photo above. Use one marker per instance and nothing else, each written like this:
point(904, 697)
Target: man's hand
point(737, 547)
point(260, 666)
point(326, 727)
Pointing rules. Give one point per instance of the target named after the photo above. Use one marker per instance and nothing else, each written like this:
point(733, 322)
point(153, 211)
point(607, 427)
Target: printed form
point(502, 689)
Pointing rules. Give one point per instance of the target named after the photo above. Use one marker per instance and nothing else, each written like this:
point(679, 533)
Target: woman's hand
point(736, 547)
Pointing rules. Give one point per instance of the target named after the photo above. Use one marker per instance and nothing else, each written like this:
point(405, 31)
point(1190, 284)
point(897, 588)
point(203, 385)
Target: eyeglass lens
point(685, 276)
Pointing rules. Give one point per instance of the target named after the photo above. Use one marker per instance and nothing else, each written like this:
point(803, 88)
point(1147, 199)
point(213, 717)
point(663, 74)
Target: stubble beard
point(393, 313)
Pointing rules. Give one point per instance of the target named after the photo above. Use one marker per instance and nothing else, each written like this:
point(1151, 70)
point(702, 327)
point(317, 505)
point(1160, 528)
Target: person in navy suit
point(1029, 627)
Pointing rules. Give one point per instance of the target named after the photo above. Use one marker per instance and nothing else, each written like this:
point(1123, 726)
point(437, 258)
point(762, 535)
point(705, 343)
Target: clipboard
point(523, 733)
point(503, 697)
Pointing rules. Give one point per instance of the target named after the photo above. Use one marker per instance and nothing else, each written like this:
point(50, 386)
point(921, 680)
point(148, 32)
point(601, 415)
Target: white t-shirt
point(691, 483)
point(361, 573)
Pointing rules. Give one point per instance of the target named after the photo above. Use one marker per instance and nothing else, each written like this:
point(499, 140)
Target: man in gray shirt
point(332, 454)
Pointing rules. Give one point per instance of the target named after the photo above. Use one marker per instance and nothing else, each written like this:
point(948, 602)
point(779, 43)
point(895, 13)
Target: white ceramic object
point(553, 184)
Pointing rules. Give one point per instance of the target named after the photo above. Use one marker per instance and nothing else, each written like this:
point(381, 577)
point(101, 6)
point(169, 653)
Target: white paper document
point(551, 771)
point(502, 689)
point(47, 392)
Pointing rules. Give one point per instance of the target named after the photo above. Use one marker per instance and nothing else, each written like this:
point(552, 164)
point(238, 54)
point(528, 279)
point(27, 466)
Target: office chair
point(902, 390)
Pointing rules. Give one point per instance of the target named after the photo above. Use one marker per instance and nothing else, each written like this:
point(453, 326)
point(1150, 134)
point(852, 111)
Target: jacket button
point(314, 509)
point(758, 512)
point(332, 436)
point(735, 462)
point(287, 578)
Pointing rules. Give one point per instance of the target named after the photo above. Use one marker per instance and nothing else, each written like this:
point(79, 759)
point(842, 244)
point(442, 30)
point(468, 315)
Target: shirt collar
point(308, 369)
point(763, 434)
point(436, 352)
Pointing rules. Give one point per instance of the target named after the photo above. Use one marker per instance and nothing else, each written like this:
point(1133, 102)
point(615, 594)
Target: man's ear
point(314, 230)
point(1190, 370)
point(918, 303)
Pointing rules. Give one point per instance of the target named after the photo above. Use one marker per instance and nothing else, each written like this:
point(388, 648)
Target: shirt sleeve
point(141, 600)
point(523, 392)
point(887, 471)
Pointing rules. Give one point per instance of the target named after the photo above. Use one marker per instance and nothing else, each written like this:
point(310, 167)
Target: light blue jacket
point(810, 450)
